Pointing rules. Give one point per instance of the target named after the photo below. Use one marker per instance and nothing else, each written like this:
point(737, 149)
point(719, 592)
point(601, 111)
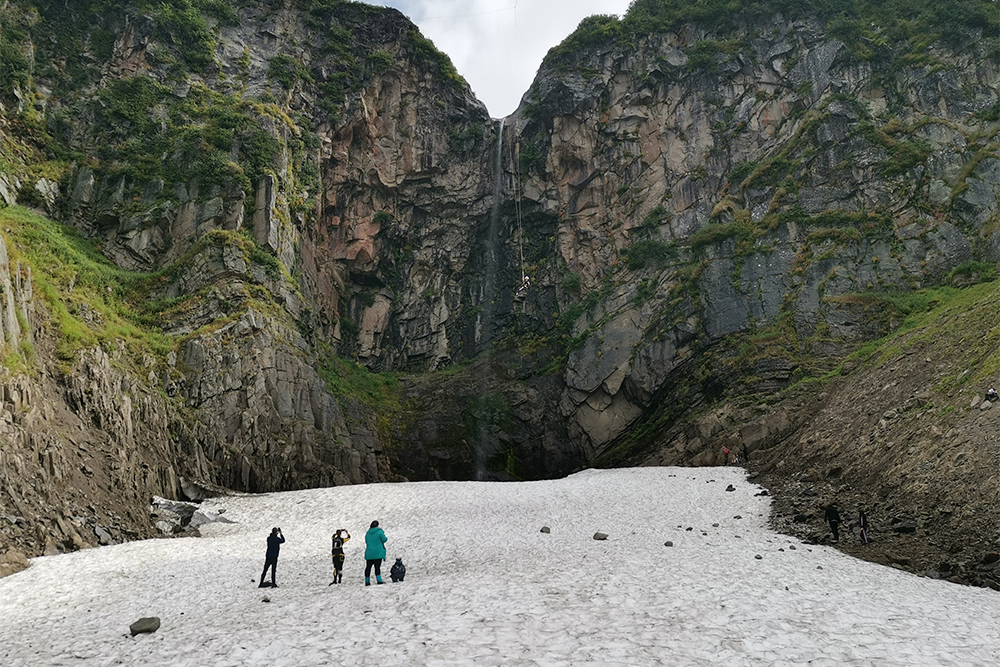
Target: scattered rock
point(905, 528)
point(758, 557)
point(12, 561)
point(545, 529)
point(899, 560)
point(668, 543)
point(991, 557)
point(143, 625)
point(265, 599)
point(600, 536)
point(730, 488)
point(800, 518)
point(104, 537)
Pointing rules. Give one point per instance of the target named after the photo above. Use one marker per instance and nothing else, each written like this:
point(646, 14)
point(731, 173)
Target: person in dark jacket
point(274, 542)
point(375, 540)
point(340, 538)
point(397, 571)
point(833, 518)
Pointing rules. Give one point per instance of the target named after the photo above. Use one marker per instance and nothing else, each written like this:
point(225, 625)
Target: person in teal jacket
point(375, 540)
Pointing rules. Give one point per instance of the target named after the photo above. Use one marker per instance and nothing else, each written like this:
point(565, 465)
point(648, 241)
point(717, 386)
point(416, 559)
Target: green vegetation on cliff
point(866, 26)
point(91, 301)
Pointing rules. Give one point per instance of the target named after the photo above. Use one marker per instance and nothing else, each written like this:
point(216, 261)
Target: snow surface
point(485, 587)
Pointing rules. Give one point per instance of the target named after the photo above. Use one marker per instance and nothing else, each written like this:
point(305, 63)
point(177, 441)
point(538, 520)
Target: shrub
point(287, 71)
point(572, 281)
point(183, 25)
point(711, 234)
point(645, 253)
point(380, 61)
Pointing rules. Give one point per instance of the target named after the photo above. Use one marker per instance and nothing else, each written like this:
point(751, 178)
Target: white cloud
point(497, 45)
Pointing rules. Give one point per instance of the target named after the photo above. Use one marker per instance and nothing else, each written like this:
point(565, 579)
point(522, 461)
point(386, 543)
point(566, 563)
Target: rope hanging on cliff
point(522, 291)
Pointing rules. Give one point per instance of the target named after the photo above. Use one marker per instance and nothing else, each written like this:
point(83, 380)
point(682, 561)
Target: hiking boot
point(368, 581)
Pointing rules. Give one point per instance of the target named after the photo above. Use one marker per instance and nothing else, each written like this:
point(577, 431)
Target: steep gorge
point(712, 218)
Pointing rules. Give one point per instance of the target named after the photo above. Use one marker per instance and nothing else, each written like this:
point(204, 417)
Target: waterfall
point(493, 245)
point(484, 440)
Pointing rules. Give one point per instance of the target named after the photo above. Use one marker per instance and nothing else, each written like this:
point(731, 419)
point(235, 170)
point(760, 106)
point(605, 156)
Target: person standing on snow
point(833, 518)
point(375, 540)
point(274, 542)
point(340, 538)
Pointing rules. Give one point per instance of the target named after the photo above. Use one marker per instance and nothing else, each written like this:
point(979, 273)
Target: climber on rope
point(522, 291)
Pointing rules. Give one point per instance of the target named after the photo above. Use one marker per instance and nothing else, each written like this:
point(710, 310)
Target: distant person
point(991, 394)
point(863, 525)
point(746, 453)
point(339, 539)
point(833, 518)
point(397, 571)
point(375, 540)
point(274, 542)
point(725, 454)
point(522, 291)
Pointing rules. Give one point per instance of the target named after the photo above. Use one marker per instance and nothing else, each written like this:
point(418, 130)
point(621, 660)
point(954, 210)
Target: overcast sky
point(497, 45)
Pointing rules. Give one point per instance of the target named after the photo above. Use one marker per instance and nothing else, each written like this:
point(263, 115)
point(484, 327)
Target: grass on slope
point(91, 301)
point(956, 326)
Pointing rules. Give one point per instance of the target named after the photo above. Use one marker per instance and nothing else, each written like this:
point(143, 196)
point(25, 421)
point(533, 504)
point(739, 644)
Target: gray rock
point(545, 529)
point(104, 537)
point(600, 536)
point(145, 625)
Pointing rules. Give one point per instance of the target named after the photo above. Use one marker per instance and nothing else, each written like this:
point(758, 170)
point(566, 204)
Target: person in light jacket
point(375, 540)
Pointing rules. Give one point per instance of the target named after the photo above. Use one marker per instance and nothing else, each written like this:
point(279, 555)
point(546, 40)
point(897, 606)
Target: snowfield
point(484, 586)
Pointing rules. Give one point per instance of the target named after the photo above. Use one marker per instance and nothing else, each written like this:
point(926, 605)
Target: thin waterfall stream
point(484, 442)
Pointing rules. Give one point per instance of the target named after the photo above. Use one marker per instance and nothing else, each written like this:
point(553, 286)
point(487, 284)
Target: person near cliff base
point(833, 518)
point(991, 394)
point(397, 571)
point(339, 539)
point(725, 454)
point(375, 540)
point(863, 525)
point(274, 542)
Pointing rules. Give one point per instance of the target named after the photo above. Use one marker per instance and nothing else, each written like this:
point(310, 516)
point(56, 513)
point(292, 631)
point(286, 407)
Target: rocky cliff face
point(705, 219)
point(704, 185)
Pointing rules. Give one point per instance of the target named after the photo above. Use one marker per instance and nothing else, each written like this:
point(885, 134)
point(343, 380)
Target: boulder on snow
point(668, 543)
point(730, 488)
point(201, 517)
point(149, 624)
point(545, 529)
point(600, 536)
